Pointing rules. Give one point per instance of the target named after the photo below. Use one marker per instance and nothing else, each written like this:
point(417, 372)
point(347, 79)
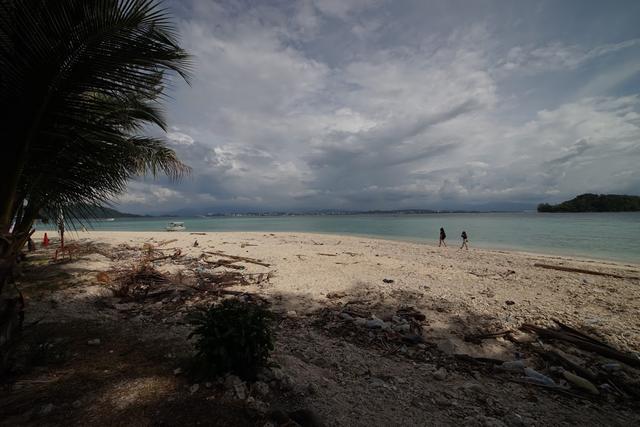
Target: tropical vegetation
point(595, 203)
point(82, 81)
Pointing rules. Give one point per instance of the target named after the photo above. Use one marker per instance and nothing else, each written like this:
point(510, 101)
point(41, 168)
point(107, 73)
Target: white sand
point(462, 291)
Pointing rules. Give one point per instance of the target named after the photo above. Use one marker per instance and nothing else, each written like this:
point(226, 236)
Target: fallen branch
point(240, 258)
point(583, 344)
point(583, 271)
point(480, 337)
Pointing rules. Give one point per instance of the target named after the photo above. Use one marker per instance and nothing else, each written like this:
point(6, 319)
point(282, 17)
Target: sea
point(606, 236)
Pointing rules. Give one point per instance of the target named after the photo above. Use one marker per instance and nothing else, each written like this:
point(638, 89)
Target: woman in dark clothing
point(443, 236)
point(464, 240)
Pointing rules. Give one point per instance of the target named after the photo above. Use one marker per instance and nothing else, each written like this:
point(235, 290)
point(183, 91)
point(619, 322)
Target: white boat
point(176, 226)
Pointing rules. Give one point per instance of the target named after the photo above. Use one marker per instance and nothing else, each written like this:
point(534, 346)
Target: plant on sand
point(232, 337)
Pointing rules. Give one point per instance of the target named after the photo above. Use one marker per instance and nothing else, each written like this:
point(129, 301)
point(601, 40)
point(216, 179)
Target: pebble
point(312, 389)
point(440, 374)
point(260, 388)
point(292, 313)
point(194, 388)
point(94, 341)
point(208, 384)
point(46, 409)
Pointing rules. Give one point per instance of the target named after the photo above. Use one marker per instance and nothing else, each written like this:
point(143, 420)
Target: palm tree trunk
point(11, 301)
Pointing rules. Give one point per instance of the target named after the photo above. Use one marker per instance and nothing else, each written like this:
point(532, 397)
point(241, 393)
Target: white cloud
point(352, 104)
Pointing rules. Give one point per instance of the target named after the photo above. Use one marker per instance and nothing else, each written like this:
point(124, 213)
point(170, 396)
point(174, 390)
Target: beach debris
point(136, 281)
point(580, 382)
point(583, 341)
point(388, 280)
point(198, 234)
point(240, 258)
point(539, 378)
point(509, 302)
point(583, 271)
point(514, 366)
point(440, 374)
point(95, 341)
point(477, 338)
point(195, 243)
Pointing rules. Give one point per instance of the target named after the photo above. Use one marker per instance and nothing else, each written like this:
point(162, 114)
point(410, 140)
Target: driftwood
point(327, 254)
point(175, 255)
point(583, 271)
point(581, 342)
point(240, 258)
point(480, 337)
point(556, 355)
point(166, 242)
point(581, 334)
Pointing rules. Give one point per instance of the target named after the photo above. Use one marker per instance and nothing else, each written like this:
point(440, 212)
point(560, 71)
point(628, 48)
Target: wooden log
point(583, 271)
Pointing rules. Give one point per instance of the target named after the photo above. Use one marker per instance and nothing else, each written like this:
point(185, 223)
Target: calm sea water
point(614, 236)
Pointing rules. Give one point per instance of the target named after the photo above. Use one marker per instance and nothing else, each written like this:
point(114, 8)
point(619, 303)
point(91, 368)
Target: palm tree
point(82, 79)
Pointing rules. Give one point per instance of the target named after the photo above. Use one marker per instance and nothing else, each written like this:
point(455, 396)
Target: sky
point(371, 104)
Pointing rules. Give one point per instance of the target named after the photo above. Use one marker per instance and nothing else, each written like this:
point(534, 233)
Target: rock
point(473, 388)
point(260, 388)
point(442, 401)
point(265, 374)
point(240, 391)
point(306, 418)
point(47, 409)
point(440, 374)
point(483, 421)
point(388, 280)
point(509, 302)
point(208, 384)
point(312, 388)
point(194, 388)
point(405, 327)
point(292, 313)
point(177, 371)
point(346, 316)
point(375, 323)
point(516, 420)
point(94, 341)
point(360, 321)
point(230, 381)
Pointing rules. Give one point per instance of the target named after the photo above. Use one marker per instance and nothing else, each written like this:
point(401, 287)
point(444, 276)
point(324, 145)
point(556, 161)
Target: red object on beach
point(45, 240)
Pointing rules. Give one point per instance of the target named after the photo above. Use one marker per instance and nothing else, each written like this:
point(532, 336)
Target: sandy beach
point(311, 279)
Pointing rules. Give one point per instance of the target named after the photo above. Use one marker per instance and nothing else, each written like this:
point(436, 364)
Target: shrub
point(233, 337)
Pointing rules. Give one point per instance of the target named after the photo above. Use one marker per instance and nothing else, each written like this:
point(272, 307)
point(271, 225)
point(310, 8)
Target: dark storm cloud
point(380, 105)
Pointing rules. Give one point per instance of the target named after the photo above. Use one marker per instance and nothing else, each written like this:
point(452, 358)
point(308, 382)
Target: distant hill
point(100, 212)
point(595, 203)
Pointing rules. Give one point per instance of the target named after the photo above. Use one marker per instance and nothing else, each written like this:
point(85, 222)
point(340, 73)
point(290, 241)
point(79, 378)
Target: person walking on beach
point(465, 240)
point(443, 236)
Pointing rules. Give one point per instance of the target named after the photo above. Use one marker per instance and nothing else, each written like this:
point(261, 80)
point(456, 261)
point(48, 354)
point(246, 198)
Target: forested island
point(595, 203)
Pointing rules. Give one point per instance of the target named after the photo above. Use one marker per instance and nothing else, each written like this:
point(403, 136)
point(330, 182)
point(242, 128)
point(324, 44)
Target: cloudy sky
point(374, 104)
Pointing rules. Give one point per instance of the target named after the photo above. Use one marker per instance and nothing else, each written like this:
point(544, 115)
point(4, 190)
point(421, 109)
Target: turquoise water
point(614, 236)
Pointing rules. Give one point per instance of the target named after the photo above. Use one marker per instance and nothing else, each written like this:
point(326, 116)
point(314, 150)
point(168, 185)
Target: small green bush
point(233, 337)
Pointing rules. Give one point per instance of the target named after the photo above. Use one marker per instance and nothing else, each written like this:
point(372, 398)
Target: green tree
point(82, 79)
